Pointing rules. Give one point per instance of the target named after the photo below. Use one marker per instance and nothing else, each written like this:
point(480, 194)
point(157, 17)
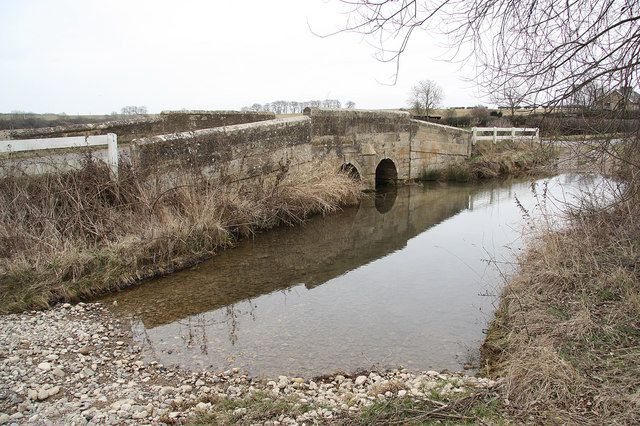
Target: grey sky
point(85, 56)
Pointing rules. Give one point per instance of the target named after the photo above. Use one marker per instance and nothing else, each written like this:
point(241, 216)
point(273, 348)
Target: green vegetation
point(468, 408)
point(256, 408)
point(65, 236)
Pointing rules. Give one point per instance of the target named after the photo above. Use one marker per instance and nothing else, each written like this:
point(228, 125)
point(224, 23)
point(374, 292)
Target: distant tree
point(479, 115)
point(510, 96)
point(134, 110)
point(296, 107)
point(589, 97)
point(425, 96)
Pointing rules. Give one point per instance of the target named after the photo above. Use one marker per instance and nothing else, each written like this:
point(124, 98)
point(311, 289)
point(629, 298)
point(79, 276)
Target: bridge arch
point(351, 170)
point(386, 173)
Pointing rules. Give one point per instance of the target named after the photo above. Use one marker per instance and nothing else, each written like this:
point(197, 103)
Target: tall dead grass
point(566, 336)
point(65, 236)
point(507, 159)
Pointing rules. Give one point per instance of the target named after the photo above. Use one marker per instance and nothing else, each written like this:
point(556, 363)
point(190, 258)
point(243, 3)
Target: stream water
point(407, 278)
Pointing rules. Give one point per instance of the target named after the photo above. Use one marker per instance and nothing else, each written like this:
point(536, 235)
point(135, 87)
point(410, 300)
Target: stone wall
point(337, 137)
point(239, 151)
point(433, 144)
point(363, 138)
point(140, 127)
point(243, 145)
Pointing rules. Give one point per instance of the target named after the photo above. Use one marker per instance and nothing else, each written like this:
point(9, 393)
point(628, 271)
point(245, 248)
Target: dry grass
point(507, 159)
point(69, 235)
point(566, 337)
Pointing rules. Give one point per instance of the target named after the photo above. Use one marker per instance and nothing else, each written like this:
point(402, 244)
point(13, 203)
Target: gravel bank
point(79, 365)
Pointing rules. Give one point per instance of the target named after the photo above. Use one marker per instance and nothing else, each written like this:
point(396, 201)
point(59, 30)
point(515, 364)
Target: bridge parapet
point(239, 151)
point(132, 128)
point(433, 145)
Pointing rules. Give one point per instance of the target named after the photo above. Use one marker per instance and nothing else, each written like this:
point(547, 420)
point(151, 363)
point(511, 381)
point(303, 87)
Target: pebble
point(44, 366)
point(360, 380)
point(87, 359)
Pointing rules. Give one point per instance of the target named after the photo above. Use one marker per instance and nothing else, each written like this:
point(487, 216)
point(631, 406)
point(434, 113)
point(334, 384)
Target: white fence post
point(111, 140)
point(491, 134)
point(112, 153)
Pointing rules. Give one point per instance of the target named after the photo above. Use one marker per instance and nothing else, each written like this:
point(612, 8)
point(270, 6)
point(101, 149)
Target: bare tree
point(479, 115)
point(296, 107)
point(511, 97)
point(425, 96)
point(588, 98)
point(551, 48)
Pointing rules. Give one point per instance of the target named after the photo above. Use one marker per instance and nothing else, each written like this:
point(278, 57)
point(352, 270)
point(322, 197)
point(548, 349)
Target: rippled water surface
point(403, 279)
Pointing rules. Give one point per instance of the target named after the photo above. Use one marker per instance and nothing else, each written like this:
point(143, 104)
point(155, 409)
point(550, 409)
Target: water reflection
point(385, 198)
point(395, 281)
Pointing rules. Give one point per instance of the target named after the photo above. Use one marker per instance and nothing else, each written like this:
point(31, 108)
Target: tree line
point(296, 107)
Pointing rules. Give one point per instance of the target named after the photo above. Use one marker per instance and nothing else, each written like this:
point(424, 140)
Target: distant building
point(620, 99)
point(429, 117)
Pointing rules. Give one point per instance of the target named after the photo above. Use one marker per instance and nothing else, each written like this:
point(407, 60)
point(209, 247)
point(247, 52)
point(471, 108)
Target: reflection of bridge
point(312, 254)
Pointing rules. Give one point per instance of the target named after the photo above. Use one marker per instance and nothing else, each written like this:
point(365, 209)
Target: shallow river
point(407, 278)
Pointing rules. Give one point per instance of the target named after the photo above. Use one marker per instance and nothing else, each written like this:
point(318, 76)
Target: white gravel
point(78, 365)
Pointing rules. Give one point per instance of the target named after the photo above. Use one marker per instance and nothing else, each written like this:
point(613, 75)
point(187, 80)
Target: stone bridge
point(376, 146)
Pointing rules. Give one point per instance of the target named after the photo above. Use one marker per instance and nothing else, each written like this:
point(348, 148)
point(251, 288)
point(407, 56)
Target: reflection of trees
point(194, 329)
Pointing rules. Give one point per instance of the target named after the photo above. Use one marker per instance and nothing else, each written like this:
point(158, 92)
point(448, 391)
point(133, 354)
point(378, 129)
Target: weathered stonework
point(140, 127)
point(379, 145)
point(363, 139)
point(433, 144)
point(240, 151)
point(360, 138)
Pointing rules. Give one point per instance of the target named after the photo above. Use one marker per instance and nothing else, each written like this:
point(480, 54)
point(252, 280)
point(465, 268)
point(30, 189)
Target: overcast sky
point(85, 56)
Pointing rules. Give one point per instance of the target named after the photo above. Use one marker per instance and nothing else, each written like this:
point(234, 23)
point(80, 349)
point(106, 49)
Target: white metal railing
point(110, 140)
point(507, 133)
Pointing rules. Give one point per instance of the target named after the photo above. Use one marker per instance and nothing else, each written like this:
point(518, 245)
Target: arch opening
point(386, 173)
point(350, 170)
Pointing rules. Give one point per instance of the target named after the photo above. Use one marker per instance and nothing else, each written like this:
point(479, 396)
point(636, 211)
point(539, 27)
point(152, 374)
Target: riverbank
point(566, 337)
point(506, 159)
point(76, 234)
point(78, 365)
